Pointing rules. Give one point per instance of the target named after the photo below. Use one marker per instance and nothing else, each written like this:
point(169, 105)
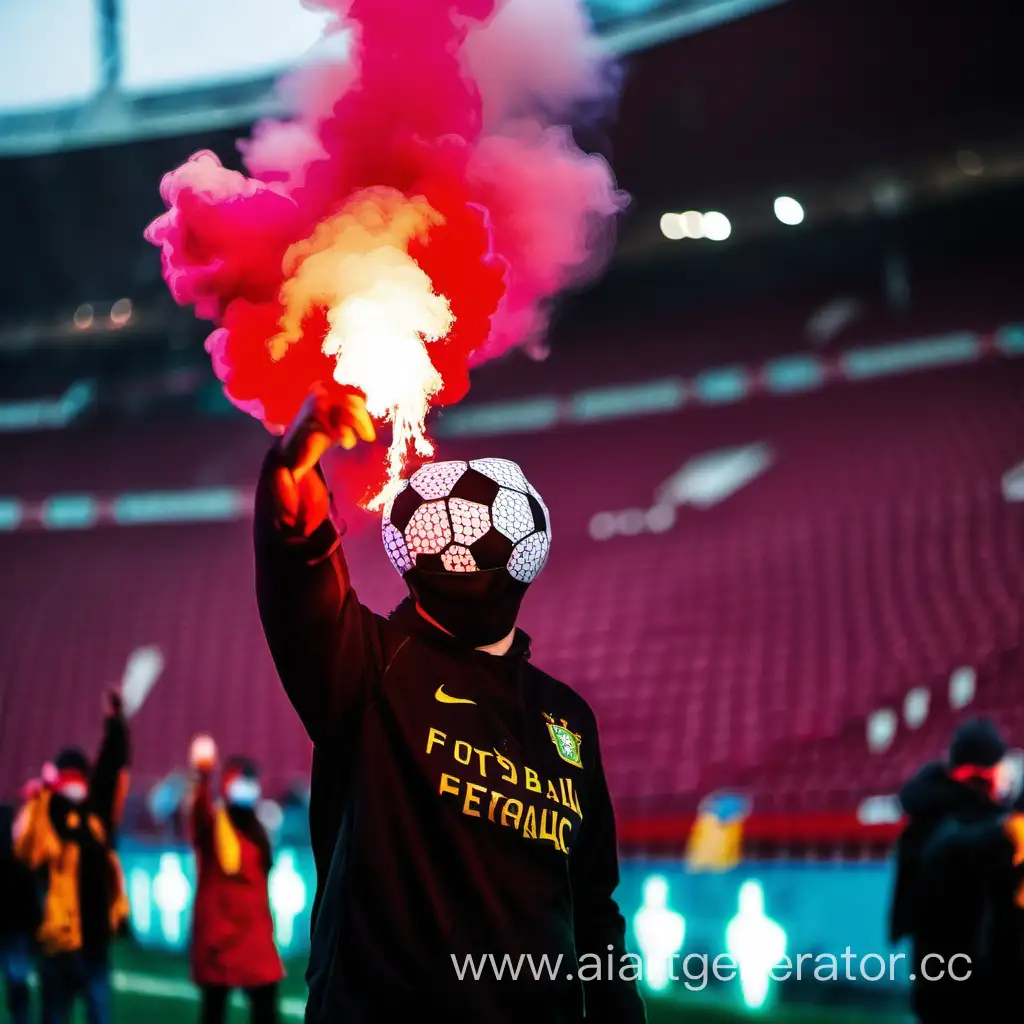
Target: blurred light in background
point(915, 707)
point(672, 226)
point(833, 318)
point(172, 895)
point(962, 687)
point(889, 196)
point(270, 816)
point(789, 211)
point(660, 518)
point(756, 945)
point(288, 897)
point(139, 893)
point(1013, 483)
point(880, 810)
point(881, 730)
point(660, 931)
point(716, 226)
point(84, 317)
point(693, 224)
point(120, 312)
point(969, 162)
point(167, 797)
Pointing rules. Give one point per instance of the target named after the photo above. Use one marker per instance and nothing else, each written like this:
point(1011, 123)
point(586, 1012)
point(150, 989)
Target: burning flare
point(382, 313)
point(413, 218)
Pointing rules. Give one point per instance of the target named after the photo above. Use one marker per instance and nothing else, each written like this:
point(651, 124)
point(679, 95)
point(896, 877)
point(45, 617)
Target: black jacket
point(446, 820)
point(20, 898)
point(955, 893)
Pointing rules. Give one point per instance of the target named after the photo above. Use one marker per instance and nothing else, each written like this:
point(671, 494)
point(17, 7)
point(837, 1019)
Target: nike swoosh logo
point(444, 698)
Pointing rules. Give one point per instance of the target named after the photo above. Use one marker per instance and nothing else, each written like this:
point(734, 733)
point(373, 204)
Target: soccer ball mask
point(468, 538)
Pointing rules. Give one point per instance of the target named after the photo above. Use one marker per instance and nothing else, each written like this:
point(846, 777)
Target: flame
point(382, 313)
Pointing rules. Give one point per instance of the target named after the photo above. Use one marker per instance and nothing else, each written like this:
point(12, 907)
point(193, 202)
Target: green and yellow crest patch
point(566, 742)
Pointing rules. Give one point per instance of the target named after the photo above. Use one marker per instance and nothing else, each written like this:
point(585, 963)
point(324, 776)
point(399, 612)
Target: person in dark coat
point(20, 916)
point(957, 880)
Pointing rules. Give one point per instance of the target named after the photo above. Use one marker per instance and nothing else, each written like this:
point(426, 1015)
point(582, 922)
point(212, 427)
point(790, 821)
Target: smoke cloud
point(412, 218)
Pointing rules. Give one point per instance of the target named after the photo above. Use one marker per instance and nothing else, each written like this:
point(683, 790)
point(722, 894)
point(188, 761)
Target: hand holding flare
point(202, 754)
point(323, 421)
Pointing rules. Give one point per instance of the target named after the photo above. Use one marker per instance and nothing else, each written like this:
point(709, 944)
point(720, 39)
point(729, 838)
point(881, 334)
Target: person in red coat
point(233, 931)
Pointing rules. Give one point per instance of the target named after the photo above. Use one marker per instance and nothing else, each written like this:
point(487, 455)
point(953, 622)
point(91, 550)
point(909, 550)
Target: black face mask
point(477, 608)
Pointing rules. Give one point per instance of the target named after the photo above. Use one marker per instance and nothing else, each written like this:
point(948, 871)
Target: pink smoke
point(460, 104)
point(540, 59)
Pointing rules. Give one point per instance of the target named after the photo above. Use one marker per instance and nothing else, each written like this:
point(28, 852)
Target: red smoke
point(451, 104)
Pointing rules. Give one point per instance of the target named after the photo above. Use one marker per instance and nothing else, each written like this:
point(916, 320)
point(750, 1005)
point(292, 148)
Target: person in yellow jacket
point(65, 833)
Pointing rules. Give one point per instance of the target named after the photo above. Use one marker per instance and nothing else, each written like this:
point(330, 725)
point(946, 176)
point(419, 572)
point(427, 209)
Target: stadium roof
point(841, 104)
point(126, 70)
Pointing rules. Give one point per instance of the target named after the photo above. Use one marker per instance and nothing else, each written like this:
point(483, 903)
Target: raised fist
point(202, 755)
point(324, 420)
point(113, 703)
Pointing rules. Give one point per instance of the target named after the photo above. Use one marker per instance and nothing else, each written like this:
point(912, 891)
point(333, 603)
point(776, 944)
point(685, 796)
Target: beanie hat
point(239, 766)
point(72, 760)
point(977, 743)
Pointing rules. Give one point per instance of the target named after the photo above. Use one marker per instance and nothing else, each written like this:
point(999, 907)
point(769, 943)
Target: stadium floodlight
point(120, 312)
point(672, 226)
point(693, 224)
point(789, 211)
point(716, 226)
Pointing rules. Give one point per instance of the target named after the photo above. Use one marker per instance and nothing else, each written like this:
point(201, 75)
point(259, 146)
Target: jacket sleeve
point(598, 924)
point(901, 912)
point(109, 783)
point(326, 646)
point(971, 845)
point(201, 814)
point(35, 842)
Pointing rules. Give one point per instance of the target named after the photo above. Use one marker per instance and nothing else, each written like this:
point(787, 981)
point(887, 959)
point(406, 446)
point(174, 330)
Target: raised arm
point(599, 925)
point(201, 813)
point(202, 758)
point(323, 642)
point(108, 785)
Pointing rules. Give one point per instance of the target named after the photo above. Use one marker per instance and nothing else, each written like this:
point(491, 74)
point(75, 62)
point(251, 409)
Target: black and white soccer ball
point(463, 517)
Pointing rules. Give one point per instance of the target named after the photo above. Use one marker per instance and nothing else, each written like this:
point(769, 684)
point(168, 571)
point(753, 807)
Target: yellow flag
point(716, 839)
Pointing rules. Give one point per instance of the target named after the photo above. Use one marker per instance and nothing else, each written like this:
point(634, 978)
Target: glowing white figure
point(659, 932)
point(287, 897)
point(755, 943)
point(141, 904)
point(172, 893)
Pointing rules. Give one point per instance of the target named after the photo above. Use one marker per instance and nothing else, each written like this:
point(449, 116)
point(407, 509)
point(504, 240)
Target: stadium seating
point(876, 555)
point(166, 455)
point(744, 645)
point(841, 770)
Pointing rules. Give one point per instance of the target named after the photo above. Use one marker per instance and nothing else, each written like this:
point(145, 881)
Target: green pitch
point(154, 987)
